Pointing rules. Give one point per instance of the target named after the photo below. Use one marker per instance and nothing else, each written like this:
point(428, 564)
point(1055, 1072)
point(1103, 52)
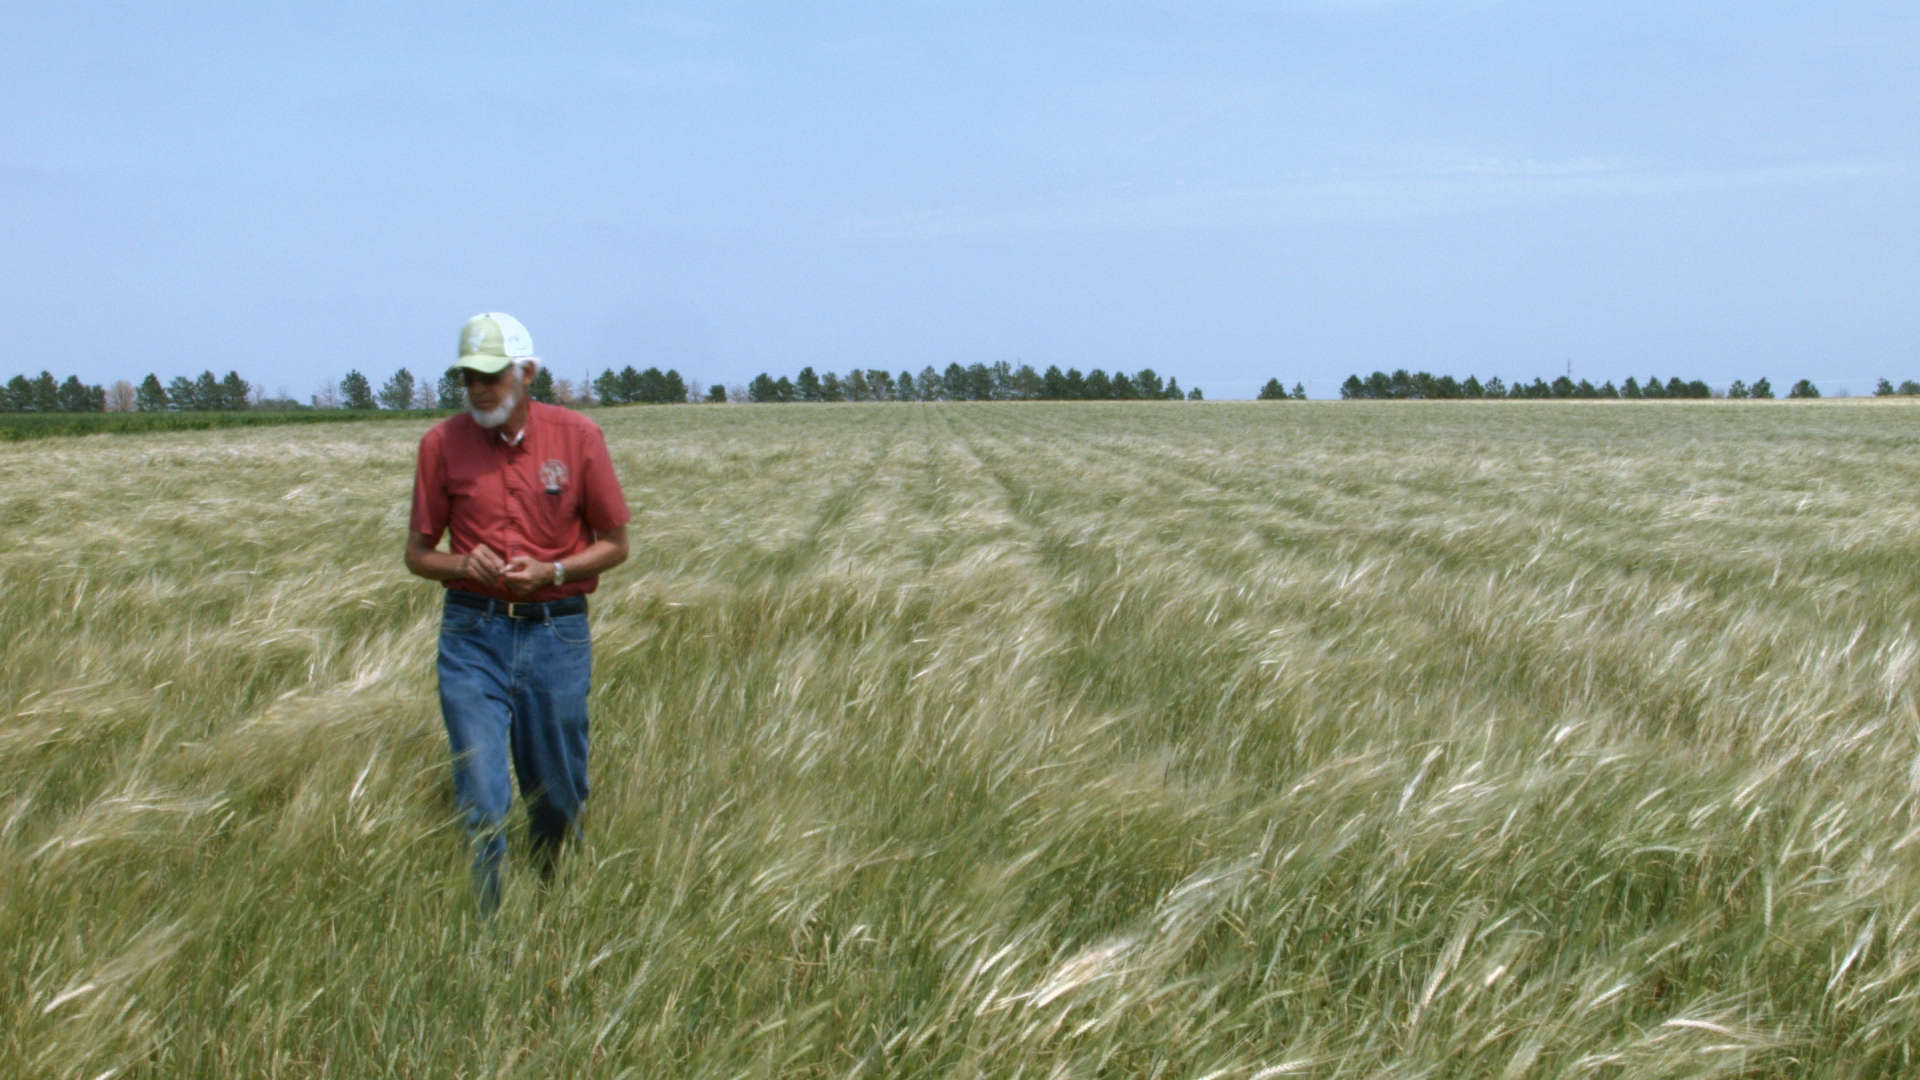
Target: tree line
point(976, 382)
point(1405, 385)
point(404, 390)
point(999, 381)
point(43, 394)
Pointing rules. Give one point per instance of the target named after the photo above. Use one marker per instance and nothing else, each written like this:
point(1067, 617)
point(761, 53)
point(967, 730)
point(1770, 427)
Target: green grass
point(15, 427)
point(1184, 740)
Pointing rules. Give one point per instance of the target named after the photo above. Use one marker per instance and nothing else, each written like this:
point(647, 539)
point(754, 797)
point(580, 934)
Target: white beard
point(493, 418)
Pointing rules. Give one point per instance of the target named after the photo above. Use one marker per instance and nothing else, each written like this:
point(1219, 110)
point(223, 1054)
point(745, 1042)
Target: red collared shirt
point(544, 495)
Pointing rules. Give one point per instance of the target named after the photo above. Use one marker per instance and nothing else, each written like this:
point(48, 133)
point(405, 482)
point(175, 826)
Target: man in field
point(528, 493)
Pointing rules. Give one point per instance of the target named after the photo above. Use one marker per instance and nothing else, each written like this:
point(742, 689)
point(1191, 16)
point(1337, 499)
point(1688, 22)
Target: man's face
point(491, 398)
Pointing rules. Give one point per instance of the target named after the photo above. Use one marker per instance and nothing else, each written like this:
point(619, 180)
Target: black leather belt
point(519, 609)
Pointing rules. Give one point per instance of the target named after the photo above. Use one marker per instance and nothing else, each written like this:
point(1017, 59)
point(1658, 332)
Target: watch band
point(559, 572)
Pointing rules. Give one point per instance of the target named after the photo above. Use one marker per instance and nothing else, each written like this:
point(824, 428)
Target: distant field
point(1129, 740)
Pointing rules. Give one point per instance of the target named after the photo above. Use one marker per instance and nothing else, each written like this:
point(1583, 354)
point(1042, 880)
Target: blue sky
point(1223, 191)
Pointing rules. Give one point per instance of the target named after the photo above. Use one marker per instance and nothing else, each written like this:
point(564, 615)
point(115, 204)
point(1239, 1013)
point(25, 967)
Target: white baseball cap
point(492, 340)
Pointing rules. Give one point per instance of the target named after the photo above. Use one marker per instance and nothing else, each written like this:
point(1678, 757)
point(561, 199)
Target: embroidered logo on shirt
point(553, 473)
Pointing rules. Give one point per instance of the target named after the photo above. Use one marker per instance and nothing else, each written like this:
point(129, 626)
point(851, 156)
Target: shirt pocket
point(556, 511)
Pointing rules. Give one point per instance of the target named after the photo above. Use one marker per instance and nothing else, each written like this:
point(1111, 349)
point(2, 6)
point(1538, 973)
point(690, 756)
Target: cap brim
point(485, 365)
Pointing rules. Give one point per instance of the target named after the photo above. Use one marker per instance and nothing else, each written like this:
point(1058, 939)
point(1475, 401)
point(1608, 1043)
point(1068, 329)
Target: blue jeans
point(515, 689)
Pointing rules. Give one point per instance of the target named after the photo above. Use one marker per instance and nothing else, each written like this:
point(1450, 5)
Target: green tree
point(1883, 388)
point(806, 385)
point(1909, 388)
point(1273, 391)
point(1099, 387)
point(355, 391)
point(70, 396)
point(980, 382)
point(206, 392)
point(1762, 388)
point(904, 388)
point(1147, 384)
point(1026, 383)
point(1123, 388)
point(606, 387)
point(46, 393)
point(18, 395)
point(629, 386)
point(831, 388)
point(1173, 391)
point(398, 391)
point(234, 391)
point(1803, 389)
point(1053, 383)
point(1738, 390)
point(150, 396)
point(673, 388)
point(452, 391)
point(1195, 395)
point(1299, 392)
point(761, 389)
point(717, 394)
point(541, 388)
point(663, 387)
point(75, 396)
point(649, 387)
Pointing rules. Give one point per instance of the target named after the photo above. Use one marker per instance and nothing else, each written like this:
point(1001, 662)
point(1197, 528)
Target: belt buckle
point(519, 610)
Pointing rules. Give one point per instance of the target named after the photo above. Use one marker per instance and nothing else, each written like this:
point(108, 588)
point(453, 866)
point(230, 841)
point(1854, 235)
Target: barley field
point(998, 740)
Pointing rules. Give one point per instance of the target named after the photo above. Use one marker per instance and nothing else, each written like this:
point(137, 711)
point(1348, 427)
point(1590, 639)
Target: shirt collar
point(520, 436)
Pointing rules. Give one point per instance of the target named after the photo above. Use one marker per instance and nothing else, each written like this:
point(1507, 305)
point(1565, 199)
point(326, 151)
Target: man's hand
point(483, 566)
point(526, 573)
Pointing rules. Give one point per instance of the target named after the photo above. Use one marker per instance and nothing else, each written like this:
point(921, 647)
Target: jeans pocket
point(460, 620)
point(570, 629)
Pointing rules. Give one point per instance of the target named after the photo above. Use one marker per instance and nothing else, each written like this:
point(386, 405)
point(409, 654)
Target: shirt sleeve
point(430, 488)
point(603, 506)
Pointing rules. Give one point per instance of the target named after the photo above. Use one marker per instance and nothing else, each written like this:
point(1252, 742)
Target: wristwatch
point(559, 572)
